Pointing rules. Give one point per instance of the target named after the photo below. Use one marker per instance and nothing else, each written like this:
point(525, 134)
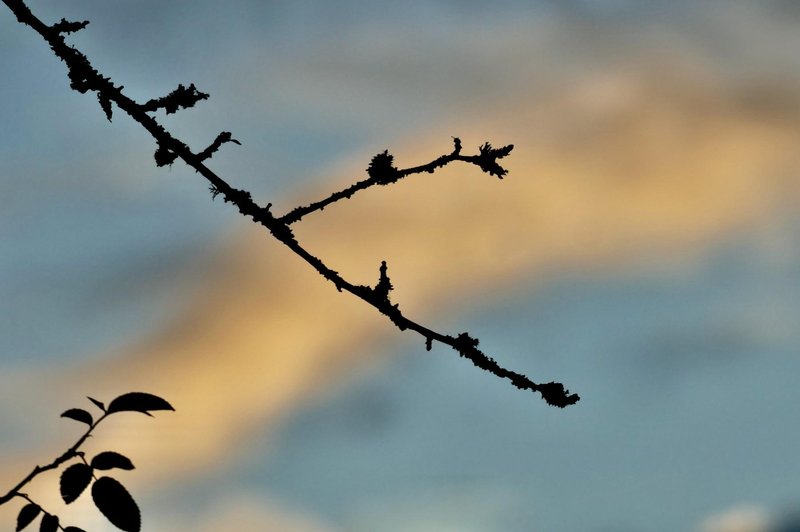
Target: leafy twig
point(110, 497)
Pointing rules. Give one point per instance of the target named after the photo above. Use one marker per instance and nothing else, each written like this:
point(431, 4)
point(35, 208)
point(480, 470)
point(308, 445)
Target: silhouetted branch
point(381, 172)
point(70, 453)
point(221, 139)
point(110, 497)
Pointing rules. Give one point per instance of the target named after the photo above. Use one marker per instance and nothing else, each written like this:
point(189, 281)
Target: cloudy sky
point(643, 250)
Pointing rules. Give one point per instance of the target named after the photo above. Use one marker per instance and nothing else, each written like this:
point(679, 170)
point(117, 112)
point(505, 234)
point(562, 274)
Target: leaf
point(73, 529)
point(97, 403)
point(74, 480)
point(79, 414)
point(109, 460)
point(49, 523)
point(27, 515)
point(114, 502)
point(138, 402)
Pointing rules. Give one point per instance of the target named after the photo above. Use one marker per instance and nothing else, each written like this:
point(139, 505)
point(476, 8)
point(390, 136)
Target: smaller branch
point(221, 139)
point(72, 452)
point(382, 172)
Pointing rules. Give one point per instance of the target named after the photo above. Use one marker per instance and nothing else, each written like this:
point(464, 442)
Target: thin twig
point(70, 453)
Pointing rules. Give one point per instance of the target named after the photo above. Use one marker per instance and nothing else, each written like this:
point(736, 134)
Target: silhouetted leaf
point(73, 529)
point(114, 501)
point(138, 402)
point(79, 414)
point(49, 523)
point(98, 404)
point(27, 515)
point(74, 480)
point(109, 460)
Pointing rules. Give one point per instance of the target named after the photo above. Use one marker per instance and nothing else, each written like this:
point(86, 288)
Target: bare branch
point(382, 172)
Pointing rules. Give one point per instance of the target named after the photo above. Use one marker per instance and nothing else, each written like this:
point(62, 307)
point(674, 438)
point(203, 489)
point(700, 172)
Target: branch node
point(487, 159)
point(182, 97)
point(221, 139)
point(384, 285)
point(69, 26)
point(556, 395)
point(164, 155)
point(381, 169)
point(456, 146)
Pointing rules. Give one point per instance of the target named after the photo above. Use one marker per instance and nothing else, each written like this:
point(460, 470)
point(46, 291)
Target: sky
point(643, 250)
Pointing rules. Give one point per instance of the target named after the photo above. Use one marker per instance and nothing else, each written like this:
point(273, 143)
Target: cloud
point(628, 163)
point(625, 165)
point(242, 512)
point(739, 518)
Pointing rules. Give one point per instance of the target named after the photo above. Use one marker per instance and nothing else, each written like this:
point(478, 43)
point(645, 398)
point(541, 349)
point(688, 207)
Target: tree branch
point(84, 77)
point(381, 172)
point(72, 452)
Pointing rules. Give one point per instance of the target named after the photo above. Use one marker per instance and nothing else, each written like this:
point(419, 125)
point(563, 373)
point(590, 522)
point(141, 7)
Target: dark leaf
point(110, 460)
point(49, 523)
point(27, 515)
point(79, 414)
point(73, 529)
point(138, 402)
point(114, 501)
point(74, 480)
point(97, 403)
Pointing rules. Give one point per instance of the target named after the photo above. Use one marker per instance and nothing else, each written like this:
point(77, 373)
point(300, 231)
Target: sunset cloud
point(619, 165)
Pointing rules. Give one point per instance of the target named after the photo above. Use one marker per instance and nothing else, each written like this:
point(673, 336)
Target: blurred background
point(644, 250)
